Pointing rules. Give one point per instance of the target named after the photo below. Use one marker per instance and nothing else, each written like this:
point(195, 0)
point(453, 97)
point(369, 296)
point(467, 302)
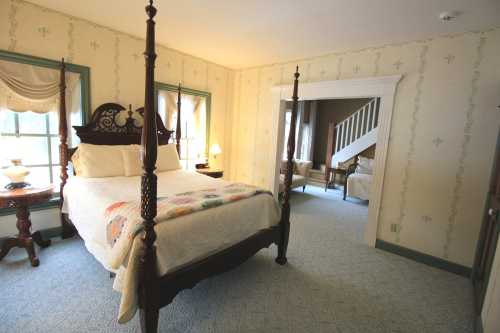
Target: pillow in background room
point(365, 165)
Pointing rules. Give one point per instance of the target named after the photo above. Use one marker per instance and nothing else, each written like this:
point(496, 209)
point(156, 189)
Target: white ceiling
point(245, 33)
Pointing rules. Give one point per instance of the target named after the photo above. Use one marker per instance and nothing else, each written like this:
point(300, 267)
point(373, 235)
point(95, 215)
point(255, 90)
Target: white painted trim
point(383, 87)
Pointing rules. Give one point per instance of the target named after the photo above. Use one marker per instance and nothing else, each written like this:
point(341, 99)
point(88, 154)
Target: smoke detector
point(448, 16)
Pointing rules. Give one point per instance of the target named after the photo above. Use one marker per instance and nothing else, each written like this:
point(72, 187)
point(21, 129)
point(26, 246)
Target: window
point(288, 119)
point(305, 146)
point(29, 122)
point(34, 138)
point(195, 112)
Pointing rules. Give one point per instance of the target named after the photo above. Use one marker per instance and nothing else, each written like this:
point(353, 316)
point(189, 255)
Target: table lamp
point(215, 150)
point(16, 172)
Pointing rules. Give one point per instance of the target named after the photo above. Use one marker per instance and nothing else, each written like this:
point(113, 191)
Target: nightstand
point(214, 173)
point(21, 199)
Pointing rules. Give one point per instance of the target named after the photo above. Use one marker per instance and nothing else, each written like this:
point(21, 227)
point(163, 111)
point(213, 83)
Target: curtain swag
point(31, 88)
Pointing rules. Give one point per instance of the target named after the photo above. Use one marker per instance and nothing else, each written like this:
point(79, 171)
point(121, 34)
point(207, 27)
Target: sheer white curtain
point(27, 94)
point(31, 88)
point(193, 124)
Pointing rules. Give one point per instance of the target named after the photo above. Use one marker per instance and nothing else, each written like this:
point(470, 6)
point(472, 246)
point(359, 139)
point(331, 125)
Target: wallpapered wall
point(117, 69)
point(443, 132)
point(442, 139)
point(115, 58)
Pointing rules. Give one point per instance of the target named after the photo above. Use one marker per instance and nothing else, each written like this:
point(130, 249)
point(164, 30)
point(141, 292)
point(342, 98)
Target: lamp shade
point(215, 149)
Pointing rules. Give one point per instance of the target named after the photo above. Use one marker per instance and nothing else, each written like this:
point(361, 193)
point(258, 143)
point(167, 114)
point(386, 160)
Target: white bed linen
point(359, 185)
point(179, 241)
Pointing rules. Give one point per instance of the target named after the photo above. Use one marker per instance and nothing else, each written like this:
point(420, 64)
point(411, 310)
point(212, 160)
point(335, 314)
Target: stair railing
point(358, 124)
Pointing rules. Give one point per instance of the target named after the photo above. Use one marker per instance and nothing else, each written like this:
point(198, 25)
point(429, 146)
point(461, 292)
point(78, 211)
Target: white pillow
point(132, 161)
point(365, 165)
point(94, 161)
point(168, 159)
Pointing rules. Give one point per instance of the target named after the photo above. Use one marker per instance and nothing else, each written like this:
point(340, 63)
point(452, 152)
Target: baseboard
point(46, 234)
point(424, 258)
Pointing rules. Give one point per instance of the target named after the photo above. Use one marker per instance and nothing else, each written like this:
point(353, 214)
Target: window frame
point(188, 91)
point(84, 73)
point(48, 135)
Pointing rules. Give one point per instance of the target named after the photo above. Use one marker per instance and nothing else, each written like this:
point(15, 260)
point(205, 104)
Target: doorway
point(382, 87)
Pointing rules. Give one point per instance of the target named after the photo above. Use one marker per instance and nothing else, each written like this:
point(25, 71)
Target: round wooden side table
point(21, 199)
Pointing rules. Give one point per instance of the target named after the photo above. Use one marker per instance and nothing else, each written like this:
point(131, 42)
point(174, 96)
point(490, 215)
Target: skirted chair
point(358, 180)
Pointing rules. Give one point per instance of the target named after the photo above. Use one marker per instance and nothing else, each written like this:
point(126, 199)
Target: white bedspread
point(180, 241)
point(359, 185)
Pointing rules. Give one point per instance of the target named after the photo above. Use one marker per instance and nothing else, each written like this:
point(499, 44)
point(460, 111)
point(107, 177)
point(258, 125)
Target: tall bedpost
point(178, 128)
point(148, 276)
point(67, 229)
point(285, 210)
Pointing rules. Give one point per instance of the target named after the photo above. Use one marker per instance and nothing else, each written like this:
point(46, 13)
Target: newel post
point(285, 210)
point(148, 273)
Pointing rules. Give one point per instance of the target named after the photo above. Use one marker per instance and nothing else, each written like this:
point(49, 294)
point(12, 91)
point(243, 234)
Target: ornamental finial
point(151, 10)
point(297, 74)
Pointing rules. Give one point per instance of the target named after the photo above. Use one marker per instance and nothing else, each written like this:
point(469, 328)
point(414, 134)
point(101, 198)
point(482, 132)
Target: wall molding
point(424, 258)
point(383, 87)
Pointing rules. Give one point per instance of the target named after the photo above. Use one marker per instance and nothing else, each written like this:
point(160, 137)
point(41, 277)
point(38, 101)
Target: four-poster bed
point(256, 226)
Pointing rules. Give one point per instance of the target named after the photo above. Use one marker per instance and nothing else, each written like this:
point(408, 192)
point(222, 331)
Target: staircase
point(354, 134)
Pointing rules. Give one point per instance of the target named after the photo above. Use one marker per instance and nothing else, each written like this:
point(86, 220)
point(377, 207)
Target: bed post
point(148, 276)
point(285, 210)
point(178, 128)
point(67, 229)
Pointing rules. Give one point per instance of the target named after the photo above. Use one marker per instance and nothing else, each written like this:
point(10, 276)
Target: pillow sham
point(365, 165)
point(132, 161)
point(95, 161)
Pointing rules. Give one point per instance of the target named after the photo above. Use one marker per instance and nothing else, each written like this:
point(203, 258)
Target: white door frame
point(383, 87)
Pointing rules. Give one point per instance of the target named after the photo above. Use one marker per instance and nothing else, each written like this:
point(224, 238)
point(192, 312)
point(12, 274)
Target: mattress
point(180, 241)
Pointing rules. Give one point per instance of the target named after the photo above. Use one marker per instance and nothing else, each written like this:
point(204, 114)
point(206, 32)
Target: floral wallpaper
point(442, 141)
point(444, 126)
point(115, 59)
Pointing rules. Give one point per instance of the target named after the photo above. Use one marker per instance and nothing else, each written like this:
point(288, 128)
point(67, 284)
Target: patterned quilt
point(125, 222)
